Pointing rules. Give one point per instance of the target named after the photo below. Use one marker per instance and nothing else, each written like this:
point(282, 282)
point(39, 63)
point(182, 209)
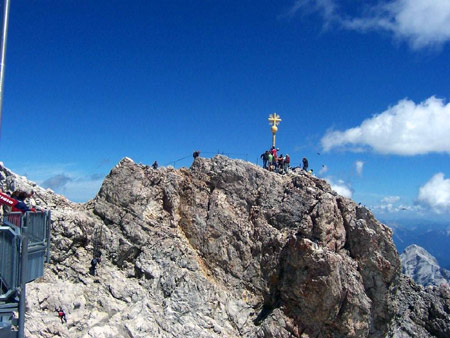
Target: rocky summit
point(223, 249)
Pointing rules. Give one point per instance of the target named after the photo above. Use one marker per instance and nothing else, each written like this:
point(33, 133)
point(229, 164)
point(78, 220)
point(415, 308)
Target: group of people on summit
point(278, 163)
point(273, 161)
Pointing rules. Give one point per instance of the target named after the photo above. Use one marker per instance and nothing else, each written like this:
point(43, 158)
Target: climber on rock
point(61, 315)
point(155, 165)
point(93, 269)
point(196, 154)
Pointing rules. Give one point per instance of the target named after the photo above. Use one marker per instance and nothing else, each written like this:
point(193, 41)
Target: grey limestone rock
point(419, 311)
point(223, 249)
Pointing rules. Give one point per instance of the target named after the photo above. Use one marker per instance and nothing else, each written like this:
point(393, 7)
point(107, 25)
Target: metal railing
point(9, 265)
point(35, 226)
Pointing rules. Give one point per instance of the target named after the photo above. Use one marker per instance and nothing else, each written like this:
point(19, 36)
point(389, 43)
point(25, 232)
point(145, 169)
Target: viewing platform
point(24, 248)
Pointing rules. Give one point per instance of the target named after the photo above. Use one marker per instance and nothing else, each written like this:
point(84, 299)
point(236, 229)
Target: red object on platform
point(7, 200)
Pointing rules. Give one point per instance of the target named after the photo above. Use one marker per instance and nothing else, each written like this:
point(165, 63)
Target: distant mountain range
point(432, 236)
point(421, 266)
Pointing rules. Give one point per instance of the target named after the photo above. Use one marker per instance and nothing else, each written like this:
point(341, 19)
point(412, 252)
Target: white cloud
point(392, 208)
point(436, 194)
point(359, 165)
point(388, 205)
point(404, 129)
point(81, 190)
point(390, 199)
point(323, 170)
point(62, 178)
point(55, 182)
point(75, 188)
point(327, 8)
point(342, 188)
point(422, 23)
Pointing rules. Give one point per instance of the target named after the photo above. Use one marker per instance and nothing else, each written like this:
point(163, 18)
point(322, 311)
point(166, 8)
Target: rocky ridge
point(421, 266)
point(223, 249)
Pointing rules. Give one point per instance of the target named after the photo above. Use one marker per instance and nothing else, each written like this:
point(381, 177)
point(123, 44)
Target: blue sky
point(364, 84)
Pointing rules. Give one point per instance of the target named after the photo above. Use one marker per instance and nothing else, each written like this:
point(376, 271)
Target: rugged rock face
point(225, 249)
point(421, 266)
point(419, 312)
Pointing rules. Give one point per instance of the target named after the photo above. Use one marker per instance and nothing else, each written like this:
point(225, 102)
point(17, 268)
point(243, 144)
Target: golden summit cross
point(274, 120)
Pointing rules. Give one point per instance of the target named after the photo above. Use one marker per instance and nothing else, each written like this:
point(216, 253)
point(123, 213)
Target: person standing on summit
point(270, 159)
point(265, 158)
point(305, 164)
point(287, 163)
point(274, 151)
